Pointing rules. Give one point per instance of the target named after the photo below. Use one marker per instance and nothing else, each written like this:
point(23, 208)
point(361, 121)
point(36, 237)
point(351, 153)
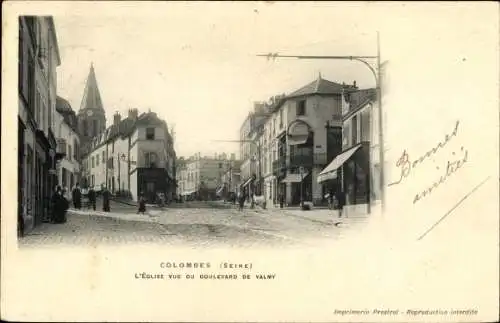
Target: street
point(193, 226)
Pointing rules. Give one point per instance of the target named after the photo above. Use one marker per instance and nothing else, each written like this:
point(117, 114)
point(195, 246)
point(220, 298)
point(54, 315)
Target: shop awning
point(297, 140)
point(327, 176)
point(188, 192)
point(330, 171)
point(294, 178)
point(247, 182)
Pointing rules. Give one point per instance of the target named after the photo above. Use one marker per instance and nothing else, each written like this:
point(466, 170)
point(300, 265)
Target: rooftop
point(322, 87)
point(91, 96)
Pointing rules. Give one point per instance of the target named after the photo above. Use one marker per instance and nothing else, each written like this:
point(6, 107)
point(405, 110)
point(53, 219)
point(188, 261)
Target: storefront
point(151, 181)
point(352, 168)
point(20, 177)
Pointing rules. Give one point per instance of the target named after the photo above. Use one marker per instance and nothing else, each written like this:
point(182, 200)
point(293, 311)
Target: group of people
point(60, 206)
point(337, 200)
point(90, 196)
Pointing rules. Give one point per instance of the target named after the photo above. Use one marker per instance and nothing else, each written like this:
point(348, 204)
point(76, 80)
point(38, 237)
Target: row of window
point(358, 129)
point(150, 160)
point(39, 106)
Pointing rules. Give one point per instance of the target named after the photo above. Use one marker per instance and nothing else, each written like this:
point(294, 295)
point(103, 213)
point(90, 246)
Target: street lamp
point(376, 73)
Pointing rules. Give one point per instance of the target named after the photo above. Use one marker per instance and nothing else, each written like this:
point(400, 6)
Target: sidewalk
point(352, 215)
point(148, 217)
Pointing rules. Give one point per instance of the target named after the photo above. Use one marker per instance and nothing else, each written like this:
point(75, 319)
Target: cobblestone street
point(190, 227)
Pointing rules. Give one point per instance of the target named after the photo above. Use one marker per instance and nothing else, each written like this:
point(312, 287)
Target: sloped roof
point(91, 96)
point(360, 97)
point(320, 86)
point(69, 116)
point(124, 129)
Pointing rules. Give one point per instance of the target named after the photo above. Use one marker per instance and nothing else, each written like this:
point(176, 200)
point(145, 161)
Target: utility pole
point(119, 162)
point(377, 75)
point(230, 177)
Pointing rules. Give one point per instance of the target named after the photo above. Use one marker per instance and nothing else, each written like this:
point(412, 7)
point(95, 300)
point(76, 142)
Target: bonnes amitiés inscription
point(406, 165)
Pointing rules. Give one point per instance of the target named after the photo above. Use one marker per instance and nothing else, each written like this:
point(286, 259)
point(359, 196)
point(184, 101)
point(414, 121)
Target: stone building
point(38, 59)
point(301, 134)
point(133, 156)
point(200, 176)
point(68, 141)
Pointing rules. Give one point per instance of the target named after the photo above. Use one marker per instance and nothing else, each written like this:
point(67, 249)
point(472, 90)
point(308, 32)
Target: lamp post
point(377, 74)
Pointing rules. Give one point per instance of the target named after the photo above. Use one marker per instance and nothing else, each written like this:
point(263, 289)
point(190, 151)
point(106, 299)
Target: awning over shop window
point(188, 192)
point(247, 182)
point(297, 140)
point(219, 190)
point(330, 171)
point(294, 178)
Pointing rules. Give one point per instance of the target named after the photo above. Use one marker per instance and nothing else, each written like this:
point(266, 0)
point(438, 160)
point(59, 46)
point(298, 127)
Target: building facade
point(230, 180)
point(251, 150)
point(200, 176)
point(361, 171)
point(302, 134)
point(68, 142)
point(38, 59)
point(134, 156)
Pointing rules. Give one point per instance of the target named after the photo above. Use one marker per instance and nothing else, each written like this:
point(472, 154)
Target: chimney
point(117, 118)
point(132, 114)
point(354, 84)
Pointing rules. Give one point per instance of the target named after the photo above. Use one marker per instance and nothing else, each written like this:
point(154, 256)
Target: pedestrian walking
point(282, 200)
point(241, 201)
point(92, 197)
point(341, 200)
point(77, 196)
point(106, 196)
point(331, 197)
point(142, 204)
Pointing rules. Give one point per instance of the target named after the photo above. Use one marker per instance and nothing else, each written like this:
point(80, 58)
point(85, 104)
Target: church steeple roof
point(91, 96)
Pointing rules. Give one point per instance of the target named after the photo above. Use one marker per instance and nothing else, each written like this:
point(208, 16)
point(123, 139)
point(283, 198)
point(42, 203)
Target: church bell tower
point(91, 116)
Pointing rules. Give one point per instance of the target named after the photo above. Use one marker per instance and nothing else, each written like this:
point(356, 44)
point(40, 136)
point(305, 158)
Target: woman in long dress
point(106, 195)
point(142, 204)
point(60, 206)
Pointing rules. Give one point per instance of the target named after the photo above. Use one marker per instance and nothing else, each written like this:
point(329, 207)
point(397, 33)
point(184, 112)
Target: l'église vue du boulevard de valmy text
point(307, 158)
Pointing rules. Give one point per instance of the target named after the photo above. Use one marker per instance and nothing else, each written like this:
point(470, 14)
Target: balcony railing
point(317, 159)
point(279, 166)
point(61, 146)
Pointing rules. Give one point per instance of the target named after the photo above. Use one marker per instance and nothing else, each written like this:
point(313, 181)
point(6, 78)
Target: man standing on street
point(77, 197)
point(92, 197)
point(106, 196)
point(341, 200)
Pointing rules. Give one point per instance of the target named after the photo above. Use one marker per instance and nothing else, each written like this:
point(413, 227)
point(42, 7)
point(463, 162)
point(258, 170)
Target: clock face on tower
point(90, 113)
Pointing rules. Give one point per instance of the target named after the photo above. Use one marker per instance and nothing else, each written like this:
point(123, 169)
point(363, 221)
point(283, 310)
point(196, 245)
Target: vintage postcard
point(250, 161)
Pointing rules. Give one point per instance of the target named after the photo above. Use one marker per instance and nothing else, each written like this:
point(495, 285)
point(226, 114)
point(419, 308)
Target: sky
point(195, 66)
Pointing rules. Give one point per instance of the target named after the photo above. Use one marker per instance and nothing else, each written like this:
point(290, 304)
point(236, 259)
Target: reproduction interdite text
point(406, 312)
point(203, 270)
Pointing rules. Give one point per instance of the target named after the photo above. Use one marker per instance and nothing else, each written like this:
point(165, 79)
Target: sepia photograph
point(289, 161)
point(282, 161)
